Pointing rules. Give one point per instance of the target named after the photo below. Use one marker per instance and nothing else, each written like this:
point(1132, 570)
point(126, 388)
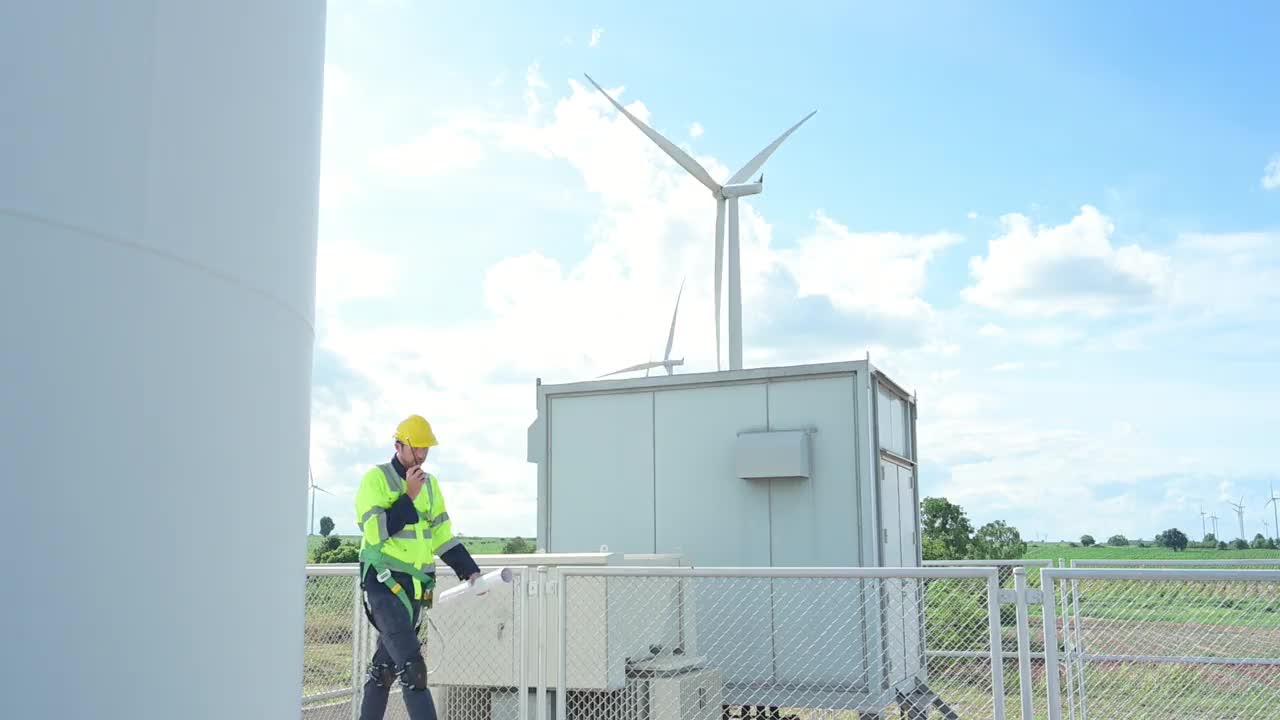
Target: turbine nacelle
point(729, 192)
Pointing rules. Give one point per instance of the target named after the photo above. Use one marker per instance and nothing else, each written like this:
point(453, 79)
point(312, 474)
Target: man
point(404, 526)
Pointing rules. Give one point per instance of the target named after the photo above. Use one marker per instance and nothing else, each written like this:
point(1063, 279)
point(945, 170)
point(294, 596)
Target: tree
point(1259, 542)
point(1087, 540)
point(1118, 541)
point(517, 546)
point(326, 525)
point(1240, 544)
point(1210, 540)
point(346, 553)
point(997, 541)
point(1172, 538)
point(945, 530)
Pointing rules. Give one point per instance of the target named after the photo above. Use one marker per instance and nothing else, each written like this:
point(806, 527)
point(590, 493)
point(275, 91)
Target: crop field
point(1056, 551)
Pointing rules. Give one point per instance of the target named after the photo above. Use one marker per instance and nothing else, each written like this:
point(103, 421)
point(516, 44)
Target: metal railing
point(967, 638)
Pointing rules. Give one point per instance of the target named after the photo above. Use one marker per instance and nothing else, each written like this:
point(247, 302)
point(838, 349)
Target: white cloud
point(595, 37)
point(881, 270)
point(1228, 272)
point(439, 152)
point(573, 319)
point(564, 315)
point(1070, 268)
point(1271, 175)
point(534, 85)
point(696, 130)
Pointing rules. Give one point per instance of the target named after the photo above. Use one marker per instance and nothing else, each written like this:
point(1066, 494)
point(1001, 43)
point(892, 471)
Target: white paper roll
point(482, 585)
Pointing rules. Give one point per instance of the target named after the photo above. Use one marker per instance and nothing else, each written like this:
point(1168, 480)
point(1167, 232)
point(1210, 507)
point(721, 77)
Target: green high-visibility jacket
point(411, 531)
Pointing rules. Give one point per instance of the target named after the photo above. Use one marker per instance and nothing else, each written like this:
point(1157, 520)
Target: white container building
point(803, 467)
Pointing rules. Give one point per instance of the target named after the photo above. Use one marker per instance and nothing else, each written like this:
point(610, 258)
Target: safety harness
point(371, 555)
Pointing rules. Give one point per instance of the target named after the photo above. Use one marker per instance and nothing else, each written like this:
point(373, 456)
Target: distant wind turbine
point(1274, 502)
point(666, 361)
point(314, 488)
point(727, 193)
point(1203, 531)
point(1214, 518)
point(1240, 513)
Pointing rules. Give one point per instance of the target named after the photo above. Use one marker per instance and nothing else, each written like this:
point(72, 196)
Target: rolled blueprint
point(482, 585)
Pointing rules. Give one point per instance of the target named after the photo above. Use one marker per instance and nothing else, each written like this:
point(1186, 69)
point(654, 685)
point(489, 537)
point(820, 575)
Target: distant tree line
point(1176, 540)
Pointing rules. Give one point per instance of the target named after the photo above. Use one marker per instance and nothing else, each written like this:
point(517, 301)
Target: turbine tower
point(1214, 518)
point(1274, 502)
point(666, 361)
point(726, 194)
point(1203, 532)
point(1240, 514)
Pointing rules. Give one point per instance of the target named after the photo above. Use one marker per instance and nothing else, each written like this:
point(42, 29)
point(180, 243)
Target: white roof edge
point(706, 378)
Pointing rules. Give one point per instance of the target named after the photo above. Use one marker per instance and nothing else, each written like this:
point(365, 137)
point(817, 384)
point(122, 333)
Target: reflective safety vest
point(411, 550)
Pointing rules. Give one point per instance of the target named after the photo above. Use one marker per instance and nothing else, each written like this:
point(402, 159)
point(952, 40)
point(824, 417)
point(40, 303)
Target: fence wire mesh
point(706, 647)
point(1164, 643)
point(328, 638)
point(471, 647)
point(937, 647)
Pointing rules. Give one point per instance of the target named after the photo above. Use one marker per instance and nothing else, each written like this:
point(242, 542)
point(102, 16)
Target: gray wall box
point(802, 466)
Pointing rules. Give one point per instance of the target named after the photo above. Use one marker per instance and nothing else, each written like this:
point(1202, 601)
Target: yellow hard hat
point(415, 431)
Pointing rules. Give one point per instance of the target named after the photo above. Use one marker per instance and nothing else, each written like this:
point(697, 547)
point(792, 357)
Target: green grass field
point(1055, 551)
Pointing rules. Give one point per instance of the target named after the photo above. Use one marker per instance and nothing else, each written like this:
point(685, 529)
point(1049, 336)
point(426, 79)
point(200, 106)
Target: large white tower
point(159, 166)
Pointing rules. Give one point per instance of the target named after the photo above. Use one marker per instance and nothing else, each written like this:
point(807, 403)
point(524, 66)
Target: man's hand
point(414, 481)
point(474, 576)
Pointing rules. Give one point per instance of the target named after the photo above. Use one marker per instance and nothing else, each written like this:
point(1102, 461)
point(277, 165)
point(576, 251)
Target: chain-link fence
point(1022, 642)
point(698, 644)
point(1162, 643)
point(476, 649)
point(330, 624)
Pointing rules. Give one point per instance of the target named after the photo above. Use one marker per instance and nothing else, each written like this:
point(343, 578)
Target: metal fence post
point(357, 647)
point(522, 589)
point(1024, 640)
point(1053, 689)
point(542, 642)
point(997, 658)
point(562, 645)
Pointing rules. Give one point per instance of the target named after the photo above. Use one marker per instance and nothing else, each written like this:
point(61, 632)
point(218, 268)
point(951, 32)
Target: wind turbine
point(1214, 518)
point(726, 194)
point(1240, 513)
point(666, 361)
point(1274, 502)
point(314, 488)
point(1203, 531)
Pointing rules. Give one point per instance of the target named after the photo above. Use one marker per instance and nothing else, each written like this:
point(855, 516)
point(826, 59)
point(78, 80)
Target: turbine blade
point(326, 492)
point(680, 156)
point(633, 368)
point(750, 168)
point(671, 336)
point(719, 269)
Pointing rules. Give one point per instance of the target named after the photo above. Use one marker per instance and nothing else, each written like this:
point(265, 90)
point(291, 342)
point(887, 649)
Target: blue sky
point(1061, 226)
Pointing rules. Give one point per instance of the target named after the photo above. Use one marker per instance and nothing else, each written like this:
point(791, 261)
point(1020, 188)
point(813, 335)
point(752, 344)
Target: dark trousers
point(397, 644)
